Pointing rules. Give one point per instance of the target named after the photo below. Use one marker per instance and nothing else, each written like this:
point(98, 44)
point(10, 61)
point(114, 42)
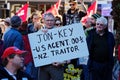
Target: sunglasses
point(100, 24)
point(58, 24)
point(72, 4)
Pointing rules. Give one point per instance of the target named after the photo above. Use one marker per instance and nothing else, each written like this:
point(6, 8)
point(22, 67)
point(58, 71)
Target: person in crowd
point(58, 21)
point(12, 63)
point(23, 29)
point(24, 32)
point(7, 23)
point(88, 26)
point(55, 70)
point(28, 58)
point(101, 46)
point(94, 18)
point(13, 36)
point(35, 18)
point(74, 15)
point(30, 68)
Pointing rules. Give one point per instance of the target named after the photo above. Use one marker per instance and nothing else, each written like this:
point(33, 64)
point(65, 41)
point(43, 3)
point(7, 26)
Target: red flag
point(54, 8)
point(91, 10)
point(22, 12)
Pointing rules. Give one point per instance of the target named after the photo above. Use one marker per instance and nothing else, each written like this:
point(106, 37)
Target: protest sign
point(58, 44)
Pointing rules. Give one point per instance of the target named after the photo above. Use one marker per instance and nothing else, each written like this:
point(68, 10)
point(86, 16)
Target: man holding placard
point(55, 70)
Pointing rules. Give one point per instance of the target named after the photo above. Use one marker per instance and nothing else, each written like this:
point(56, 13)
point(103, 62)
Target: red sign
point(23, 12)
point(91, 10)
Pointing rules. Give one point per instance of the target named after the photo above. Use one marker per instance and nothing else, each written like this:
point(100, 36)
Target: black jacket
point(20, 74)
point(75, 17)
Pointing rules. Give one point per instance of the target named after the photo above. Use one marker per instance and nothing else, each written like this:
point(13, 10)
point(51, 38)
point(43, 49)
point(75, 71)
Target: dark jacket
point(111, 44)
point(4, 75)
point(75, 17)
point(31, 28)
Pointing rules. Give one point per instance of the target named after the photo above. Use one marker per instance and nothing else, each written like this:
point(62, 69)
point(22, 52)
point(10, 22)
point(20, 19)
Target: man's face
point(49, 21)
point(100, 26)
point(73, 5)
point(17, 61)
point(93, 21)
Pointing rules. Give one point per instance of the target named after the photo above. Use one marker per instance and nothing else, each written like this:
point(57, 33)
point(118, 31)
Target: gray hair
point(103, 20)
point(48, 14)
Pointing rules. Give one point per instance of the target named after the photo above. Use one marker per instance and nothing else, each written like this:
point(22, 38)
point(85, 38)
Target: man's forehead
point(49, 17)
point(36, 16)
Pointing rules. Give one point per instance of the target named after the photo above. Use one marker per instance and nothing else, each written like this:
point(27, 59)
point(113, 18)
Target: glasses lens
point(57, 24)
point(99, 24)
point(72, 4)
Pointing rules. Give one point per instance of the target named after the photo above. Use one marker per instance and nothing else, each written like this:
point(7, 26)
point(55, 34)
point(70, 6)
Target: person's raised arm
point(83, 6)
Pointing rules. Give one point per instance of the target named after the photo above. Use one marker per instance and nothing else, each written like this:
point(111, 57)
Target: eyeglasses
point(100, 24)
point(72, 4)
point(49, 20)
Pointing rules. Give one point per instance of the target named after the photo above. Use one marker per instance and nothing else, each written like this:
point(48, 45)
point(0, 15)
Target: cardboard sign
point(58, 44)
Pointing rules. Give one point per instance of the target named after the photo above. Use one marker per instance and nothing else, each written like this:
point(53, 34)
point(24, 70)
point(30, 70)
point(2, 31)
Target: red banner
point(54, 8)
point(91, 10)
point(22, 12)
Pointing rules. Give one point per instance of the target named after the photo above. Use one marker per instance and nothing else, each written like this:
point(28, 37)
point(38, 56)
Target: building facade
point(10, 7)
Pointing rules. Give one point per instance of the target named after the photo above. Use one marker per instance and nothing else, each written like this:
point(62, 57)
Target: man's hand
point(45, 30)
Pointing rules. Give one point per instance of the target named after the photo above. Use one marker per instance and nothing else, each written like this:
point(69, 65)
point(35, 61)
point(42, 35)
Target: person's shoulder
point(92, 30)
point(3, 72)
point(24, 74)
point(30, 24)
point(69, 11)
point(1, 67)
point(110, 34)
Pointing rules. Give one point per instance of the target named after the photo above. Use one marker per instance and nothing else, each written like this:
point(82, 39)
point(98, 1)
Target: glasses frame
point(100, 24)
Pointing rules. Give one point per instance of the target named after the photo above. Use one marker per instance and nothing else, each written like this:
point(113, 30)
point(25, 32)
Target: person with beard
point(94, 18)
point(74, 14)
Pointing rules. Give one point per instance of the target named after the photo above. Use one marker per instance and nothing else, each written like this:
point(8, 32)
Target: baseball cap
point(7, 20)
point(96, 16)
point(16, 21)
point(12, 50)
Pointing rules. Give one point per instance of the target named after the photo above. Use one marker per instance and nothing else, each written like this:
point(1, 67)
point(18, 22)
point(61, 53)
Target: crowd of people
point(16, 62)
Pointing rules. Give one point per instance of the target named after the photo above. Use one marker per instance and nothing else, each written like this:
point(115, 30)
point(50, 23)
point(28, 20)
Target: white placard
point(58, 44)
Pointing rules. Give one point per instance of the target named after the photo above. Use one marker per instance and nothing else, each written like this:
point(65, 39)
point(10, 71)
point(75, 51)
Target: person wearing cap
point(12, 63)
point(101, 44)
point(94, 18)
point(7, 23)
point(74, 15)
point(13, 36)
